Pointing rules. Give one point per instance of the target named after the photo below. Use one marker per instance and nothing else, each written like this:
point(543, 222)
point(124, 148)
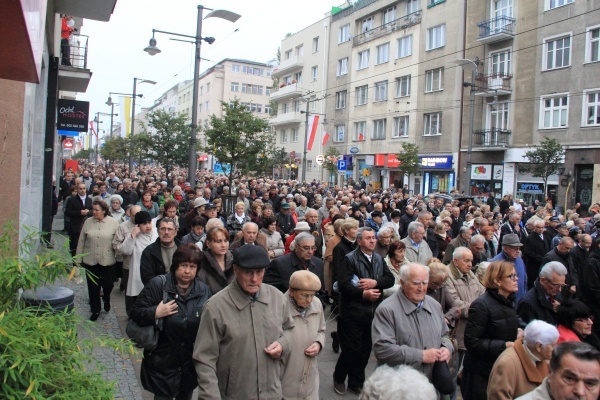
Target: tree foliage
point(409, 159)
point(115, 149)
point(83, 154)
point(141, 146)
point(544, 160)
point(167, 141)
point(331, 158)
point(238, 138)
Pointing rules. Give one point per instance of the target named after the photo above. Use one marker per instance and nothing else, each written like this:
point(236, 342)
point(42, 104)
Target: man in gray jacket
point(409, 327)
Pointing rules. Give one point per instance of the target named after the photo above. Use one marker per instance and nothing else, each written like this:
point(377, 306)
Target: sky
point(116, 55)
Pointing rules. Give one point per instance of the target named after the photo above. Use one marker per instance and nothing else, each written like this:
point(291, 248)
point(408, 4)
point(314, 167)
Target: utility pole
point(305, 140)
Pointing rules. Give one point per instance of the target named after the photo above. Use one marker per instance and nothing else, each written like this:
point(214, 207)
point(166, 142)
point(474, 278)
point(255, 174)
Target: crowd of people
point(492, 298)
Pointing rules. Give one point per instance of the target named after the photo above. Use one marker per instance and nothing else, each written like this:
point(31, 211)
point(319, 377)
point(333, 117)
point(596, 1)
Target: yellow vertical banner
point(125, 116)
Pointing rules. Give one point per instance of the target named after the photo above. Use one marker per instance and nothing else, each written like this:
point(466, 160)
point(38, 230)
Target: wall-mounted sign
point(526, 187)
point(73, 115)
point(498, 172)
point(480, 172)
point(354, 150)
point(320, 159)
point(392, 161)
point(68, 143)
point(435, 162)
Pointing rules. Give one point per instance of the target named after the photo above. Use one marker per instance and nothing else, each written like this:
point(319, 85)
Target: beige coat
point(300, 378)
point(463, 291)
point(95, 241)
point(420, 256)
point(229, 350)
point(514, 374)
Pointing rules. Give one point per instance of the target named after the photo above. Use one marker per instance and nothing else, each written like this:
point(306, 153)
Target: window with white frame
point(360, 130)
point(235, 67)
point(554, 111)
point(383, 53)
point(340, 99)
point(592, 44)
point(314, 71)
point(557, 52)
point(309, 165)
point(344, 33)
point(400, 127)
point(433, 80)
point(313, 103)
point(363, 59)
point(380, 91)
point(297, 105)
point(235, 87)
point(550, 4)
point(403, 86)
point(389, 15)
point(267, 109)
point(368, 24)
point(432, 124)
point(379, 129)
point(315, 44)
point(342, 67)
point(268, 91)
point(294, 135)
point(404, 48)
point(436, 37)
point(298, 77)
point(285, 108)
point(412, 6)
point(500, 62)
point(208, 87)
point(340, 133)
point(288, 54)
point(591, 108)
point(361, 95)
point(299, 51)
point(283, 136)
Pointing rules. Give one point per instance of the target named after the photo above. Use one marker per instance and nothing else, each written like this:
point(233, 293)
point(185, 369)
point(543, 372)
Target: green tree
point(238, 138)
point(544, 160)
point(83, 154)
point(331, 158)
point(409, 159)
point(169, 140)
point(141, 145)
point(115, 149)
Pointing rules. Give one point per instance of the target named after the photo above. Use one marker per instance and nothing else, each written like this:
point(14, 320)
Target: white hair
point(539, 332)
point(397, 383)
point(213, 222)
point(552, 267)
point(406, 269)
point(460, 252)
point(389, 226)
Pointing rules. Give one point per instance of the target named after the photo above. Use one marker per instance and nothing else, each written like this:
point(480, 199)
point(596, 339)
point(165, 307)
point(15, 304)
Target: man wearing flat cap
point(244, 330)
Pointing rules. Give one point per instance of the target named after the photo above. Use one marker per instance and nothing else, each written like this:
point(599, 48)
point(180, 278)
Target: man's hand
point(430, 356)
point(371, 294)
point(444, 354)
point(274, 350)
point(135, 231)
point(572, 289)
point(365, 283)
point(313, 350)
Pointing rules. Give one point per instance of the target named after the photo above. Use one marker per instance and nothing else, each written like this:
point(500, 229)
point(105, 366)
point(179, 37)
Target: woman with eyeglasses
point(492, 327)
point(575, 321)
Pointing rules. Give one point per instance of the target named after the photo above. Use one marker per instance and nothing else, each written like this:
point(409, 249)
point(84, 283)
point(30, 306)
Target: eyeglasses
point(589, 317)
point(512, 277)
point(309, 248)
point(307, 296)
point(556, 285)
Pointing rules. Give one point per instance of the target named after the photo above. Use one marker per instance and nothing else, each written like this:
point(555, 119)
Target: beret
point(251, 257)
point(305, 280)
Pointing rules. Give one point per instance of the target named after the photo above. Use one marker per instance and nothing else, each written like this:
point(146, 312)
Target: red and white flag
point(325, 138)
point(361, 137)
point(313, 123)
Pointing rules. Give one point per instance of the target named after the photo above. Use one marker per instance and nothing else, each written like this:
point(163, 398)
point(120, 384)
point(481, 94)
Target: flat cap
point(251, 257)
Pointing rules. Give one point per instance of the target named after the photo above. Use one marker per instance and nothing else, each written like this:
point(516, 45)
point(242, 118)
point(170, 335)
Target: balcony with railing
point(385, 29)
point(496, 29)
point(491, 138)
point(286, 92)
point(288, 118)
point(73, 72)
point(288, 66)
point(493, 85)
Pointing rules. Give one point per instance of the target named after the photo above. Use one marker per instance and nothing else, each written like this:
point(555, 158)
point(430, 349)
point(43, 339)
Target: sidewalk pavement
point(125, 372)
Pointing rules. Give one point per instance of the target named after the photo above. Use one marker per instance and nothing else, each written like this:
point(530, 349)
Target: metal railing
point(350, 9)
point(79, 50)
point(385, 29)
point(495, 26)
point(492, 137)
point(493, 82)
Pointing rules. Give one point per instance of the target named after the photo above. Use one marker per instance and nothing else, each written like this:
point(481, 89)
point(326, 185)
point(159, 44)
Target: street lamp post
point(135, 83)
point(97, 121)
point(475, 63)
point(197, 40)
point(112, 104)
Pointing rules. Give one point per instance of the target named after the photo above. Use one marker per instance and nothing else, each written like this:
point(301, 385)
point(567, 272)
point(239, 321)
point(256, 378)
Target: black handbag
point(442, 379)
point(147, 336)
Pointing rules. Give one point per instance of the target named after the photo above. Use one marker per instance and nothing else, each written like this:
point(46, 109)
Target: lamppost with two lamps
point(135, 83)
point(112, 104)
point(98, 122)
point(197, 40)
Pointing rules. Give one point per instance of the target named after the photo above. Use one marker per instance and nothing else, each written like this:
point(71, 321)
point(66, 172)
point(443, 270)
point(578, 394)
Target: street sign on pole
point(341, 165)
point(320, 159)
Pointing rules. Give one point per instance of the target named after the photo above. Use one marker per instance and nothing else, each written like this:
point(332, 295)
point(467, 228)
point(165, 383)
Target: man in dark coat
point(542, 300)
point(590, 283)
point(157, 257)
point(77, 209)
point(562, 254)
point(362, 276)
point(581, 253)
point(285, 222)
point(513, 225)
point(405, 220)
point(535, 247)
point(457, 221)
point(129, 196)
point(302, 258)
point(425, 218)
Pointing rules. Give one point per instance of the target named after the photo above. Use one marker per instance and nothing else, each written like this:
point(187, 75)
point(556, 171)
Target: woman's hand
point(165, 310)
point(313, 350)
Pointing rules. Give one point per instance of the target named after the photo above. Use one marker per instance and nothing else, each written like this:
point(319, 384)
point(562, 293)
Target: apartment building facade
point(301, 78)
point(539, 77)
point(389, 83)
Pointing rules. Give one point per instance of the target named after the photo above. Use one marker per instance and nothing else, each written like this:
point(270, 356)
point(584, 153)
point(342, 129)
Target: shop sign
point(354, 150)
point(534, 188)
point(481, 172)
point(392, 161)
point(498, 172)
point(379, 160)
point(435, 162)
point(72, 115)
point(68, 143)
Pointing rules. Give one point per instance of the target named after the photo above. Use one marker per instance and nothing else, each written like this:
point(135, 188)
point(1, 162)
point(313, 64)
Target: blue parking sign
point(341, 165)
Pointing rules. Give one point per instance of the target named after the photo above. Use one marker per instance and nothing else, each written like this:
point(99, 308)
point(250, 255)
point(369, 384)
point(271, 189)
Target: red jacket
point(66, 30)
point(566, 335)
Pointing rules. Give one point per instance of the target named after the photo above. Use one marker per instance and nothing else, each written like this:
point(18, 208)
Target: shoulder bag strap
point(159, 323)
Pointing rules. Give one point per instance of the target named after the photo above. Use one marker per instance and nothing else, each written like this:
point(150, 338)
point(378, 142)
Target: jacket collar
point(534, 373)
point(312, 309)
point(241, 299)
point(409, 307)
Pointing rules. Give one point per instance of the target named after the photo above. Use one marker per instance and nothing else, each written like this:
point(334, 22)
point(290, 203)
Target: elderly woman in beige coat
point(300, 378)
